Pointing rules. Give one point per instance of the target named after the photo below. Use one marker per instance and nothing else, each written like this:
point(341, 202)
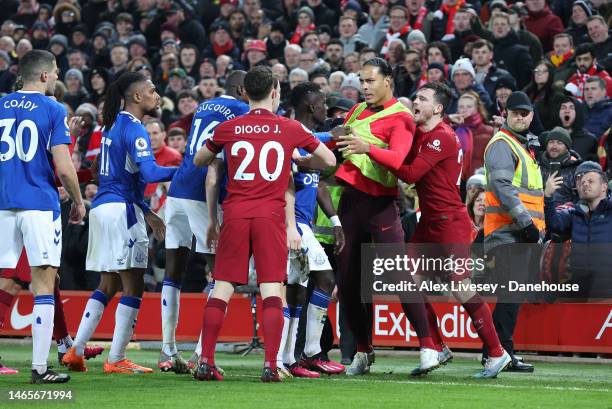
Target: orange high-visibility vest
point(528, 182)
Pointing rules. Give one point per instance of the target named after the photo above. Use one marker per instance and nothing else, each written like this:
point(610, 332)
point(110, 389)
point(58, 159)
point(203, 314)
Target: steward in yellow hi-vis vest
point(514, 216)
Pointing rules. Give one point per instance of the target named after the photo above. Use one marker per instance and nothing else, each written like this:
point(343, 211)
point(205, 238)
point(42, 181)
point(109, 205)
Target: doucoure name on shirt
point(22, 104)
point(222, 109)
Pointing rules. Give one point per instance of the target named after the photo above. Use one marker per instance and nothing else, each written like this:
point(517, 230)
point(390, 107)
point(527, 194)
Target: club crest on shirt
point(435, 145)
point(141, 143)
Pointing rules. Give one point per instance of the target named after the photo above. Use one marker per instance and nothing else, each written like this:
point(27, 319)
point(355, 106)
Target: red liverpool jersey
point(258, 148)
point(434, 165)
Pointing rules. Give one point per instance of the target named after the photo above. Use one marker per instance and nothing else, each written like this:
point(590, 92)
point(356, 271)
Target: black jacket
point(514, 57)
point(567, 191)
point(583, 142)
point(192, 32)
point(491, 79)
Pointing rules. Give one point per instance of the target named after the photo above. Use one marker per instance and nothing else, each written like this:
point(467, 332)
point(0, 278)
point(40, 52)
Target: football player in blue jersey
point(313, 264)
point(35, 136)
point(187, 214)
point(118, 241)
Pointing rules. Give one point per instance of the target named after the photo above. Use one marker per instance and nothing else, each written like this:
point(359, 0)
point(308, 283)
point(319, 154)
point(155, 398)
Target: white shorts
point(299, 270)
point(186, 218)
point(117, 238)
point(40, 231)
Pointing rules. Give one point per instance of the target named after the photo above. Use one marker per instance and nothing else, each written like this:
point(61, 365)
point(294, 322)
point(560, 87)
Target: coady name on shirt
point(23, 104)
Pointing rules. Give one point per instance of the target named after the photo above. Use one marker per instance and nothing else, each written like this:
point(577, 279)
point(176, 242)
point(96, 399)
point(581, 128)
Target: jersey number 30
point(263, 160)
point(15, 143)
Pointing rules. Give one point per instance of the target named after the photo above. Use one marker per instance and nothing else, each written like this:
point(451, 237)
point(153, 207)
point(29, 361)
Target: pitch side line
point(482, 385)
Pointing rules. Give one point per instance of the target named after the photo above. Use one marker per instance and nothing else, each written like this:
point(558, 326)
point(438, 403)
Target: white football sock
point(170, 297)
point(125, 321)
point(42, 331)
point(315, 320)
point(289, 352)
point(281, 348)
point(90, 320)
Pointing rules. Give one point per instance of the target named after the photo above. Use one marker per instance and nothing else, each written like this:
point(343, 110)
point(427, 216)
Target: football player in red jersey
point(434, 165)
point(383, 128)
point(257, 147)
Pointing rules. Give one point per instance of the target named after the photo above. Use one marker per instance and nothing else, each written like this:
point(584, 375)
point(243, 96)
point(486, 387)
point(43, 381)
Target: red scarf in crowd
point(450, 11)
point(558, 60)
point(393, 36)
point(418, 24)
point(299, 32)
point(223, 49)
point(582, 78)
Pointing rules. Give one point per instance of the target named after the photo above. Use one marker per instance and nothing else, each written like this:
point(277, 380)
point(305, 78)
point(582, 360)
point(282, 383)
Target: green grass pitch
point(553, 385)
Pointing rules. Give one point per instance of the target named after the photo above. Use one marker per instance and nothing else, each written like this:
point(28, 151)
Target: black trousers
point(511, 262)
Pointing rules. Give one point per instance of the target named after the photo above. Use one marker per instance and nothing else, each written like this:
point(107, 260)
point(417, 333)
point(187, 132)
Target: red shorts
point(21, 272)
point(448, 236)
point(265, 239)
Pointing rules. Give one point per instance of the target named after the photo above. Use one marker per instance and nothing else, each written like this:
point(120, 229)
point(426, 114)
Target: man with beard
point(515, 208)
point(559, 157)
point(434, 165)
point(586, 62)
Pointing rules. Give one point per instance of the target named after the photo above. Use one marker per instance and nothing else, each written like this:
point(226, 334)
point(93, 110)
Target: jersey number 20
point(15, 143)
point(263, 160)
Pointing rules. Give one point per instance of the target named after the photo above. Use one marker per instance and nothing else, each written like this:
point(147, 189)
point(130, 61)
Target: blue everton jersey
point(188, 181)
point(306, 186)
point(30, 125)
point(122, 148)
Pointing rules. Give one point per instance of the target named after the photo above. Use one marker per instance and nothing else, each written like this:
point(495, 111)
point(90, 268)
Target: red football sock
point(434, 331)
point(481, 317)
point(214, 314)
point(417, 315)
point(272, 328)
point(6, 300)
point(59, 319)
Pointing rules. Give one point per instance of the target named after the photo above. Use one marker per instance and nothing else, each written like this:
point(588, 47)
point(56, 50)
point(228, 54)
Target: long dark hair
point(115, 95)
point(532, 88)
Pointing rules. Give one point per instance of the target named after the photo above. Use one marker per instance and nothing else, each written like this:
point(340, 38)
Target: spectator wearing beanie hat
point(436, 73)
point(221, 42)
point(98, 84)
point(559, 157)
point(581, 11)
point(416, 40)
point(351, 88)
point(277, 41)
point(58, 45)
point(255, 53)
point(305, 23)
point(505, 85)
point(463, 80)
point(76, 94)
point(40, 36)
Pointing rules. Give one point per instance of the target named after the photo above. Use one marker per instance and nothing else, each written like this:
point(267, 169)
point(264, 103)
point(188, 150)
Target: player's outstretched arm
point(203, 157)
point(68, 176)
point(320, 158)
point(294, 240)
point(153, 173)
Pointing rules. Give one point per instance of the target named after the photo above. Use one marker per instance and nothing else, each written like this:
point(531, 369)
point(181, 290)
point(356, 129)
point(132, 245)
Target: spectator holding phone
point(560, 158)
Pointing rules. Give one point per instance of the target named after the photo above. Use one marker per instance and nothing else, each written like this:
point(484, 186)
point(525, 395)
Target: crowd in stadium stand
point(559, 52)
